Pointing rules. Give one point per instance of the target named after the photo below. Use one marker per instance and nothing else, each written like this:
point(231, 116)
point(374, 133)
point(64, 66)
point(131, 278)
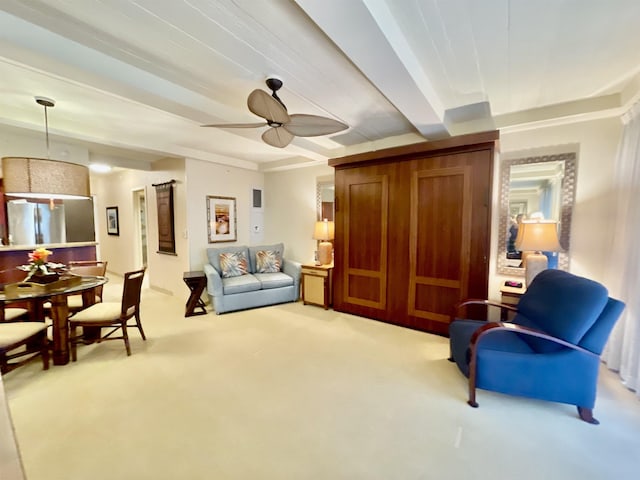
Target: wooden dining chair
point(85, 267)
point(111, 314)
point(23, 340)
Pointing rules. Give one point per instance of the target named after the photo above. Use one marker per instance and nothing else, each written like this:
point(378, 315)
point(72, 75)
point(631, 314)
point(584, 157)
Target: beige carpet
point(296, 392)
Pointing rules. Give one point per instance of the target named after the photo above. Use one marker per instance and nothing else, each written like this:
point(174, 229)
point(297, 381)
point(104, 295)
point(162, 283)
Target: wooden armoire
point(412, 230)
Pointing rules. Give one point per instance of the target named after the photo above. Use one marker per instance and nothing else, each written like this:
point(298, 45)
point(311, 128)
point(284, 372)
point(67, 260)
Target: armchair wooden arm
point(489, 303)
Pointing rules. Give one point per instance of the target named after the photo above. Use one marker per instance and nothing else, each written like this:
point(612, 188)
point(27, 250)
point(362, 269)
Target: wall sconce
point(537, 236)
point(324, 232)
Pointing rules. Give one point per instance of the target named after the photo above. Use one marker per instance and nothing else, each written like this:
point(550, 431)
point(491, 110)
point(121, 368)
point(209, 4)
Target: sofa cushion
point(273, 280)
point(267, 261)
point(233, 264)
point(240, 284)
point(277, 247)
point(213, 254)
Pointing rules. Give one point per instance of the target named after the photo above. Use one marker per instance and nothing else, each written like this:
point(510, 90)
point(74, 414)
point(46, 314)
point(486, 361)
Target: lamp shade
point(40, 178)
point(324, 230)
point(540, 236)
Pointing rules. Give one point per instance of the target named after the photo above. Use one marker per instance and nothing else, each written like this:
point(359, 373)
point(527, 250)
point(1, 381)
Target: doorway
point(140, 209)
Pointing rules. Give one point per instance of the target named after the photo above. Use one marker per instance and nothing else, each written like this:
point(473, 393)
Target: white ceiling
point(143, 75)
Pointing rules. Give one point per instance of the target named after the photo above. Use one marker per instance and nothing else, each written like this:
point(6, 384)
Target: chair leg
point(73, 343)
point(125, 337)
point(139, 325)
point(472, 381)
point(4, 366)
point(586, 414)
point(44, 352)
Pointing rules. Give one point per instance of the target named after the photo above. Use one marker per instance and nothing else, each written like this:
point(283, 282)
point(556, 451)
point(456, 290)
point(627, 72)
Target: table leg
point(196, 286)
point(59, 313)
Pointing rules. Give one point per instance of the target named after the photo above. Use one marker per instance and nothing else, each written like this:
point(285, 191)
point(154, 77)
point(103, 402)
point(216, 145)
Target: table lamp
point(537, 236)
point(324, 232)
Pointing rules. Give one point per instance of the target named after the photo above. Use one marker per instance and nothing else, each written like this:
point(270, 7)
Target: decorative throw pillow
point(233, 264)
point(267, 261)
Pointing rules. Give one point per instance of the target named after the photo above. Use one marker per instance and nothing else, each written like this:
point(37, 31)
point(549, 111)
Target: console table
point(197, 282)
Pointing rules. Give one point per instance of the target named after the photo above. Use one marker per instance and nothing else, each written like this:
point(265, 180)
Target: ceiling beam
point(381, 53)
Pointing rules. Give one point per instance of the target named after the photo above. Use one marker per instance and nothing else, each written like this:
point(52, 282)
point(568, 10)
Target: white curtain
point(622, 353)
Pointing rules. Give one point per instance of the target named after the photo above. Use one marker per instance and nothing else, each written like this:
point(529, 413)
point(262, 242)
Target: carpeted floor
point(296, 392)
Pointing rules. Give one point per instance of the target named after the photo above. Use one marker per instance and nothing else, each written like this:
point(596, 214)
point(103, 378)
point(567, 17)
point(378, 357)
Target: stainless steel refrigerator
point(35, 223)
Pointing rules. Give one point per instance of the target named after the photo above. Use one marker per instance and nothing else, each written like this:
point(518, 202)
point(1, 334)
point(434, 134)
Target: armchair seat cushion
point(462, 330)
point(241, 284)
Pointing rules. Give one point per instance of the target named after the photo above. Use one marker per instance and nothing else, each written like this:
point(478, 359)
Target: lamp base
point(324, 253)
point(535, 263)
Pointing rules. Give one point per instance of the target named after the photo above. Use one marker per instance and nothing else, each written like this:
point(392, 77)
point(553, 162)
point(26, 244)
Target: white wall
point(591, 228)
point(205, 178)
point(16, 144)
point(291, 210)
point(164, 272)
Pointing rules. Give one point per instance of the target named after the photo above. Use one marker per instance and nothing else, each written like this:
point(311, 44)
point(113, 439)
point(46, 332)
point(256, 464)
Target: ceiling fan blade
point(264, 105)
point(277, 137)
point(302, 125)
point(236, 125)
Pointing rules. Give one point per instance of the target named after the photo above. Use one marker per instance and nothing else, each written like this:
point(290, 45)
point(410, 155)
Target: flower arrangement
point(39, 265)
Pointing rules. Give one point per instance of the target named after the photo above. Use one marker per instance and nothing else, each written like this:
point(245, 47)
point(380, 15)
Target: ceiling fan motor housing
point(274, 84)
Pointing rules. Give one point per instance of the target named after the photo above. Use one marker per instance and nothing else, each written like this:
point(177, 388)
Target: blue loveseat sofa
point(242, 277)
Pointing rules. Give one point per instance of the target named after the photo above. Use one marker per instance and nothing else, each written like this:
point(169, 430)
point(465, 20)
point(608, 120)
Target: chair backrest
point(131, 293)
point(561, 304)
point(89, 267)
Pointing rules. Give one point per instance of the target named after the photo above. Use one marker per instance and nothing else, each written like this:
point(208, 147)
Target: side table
point(197, 282)
point(510, 296)
point(317, 285)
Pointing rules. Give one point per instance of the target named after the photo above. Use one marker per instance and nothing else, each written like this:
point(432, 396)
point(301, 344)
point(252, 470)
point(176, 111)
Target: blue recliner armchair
point(550, 351)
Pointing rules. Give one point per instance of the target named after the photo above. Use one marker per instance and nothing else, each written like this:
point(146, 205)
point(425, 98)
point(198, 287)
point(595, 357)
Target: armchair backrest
point(596, 338)
point(563, 305)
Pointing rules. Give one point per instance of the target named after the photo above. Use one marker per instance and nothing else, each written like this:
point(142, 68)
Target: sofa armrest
point(293, 269)
point(214, 282)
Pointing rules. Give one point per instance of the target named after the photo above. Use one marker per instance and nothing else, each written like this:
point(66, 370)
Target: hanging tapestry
point(166, 232)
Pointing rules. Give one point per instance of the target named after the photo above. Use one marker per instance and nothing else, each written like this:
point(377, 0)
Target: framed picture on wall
point(221, 219)
point(113, 225)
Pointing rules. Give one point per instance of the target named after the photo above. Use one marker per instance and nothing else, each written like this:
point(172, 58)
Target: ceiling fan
point(283, 127)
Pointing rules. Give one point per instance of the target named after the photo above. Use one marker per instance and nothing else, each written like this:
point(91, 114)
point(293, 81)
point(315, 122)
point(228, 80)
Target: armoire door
point(449, 237)
point(362, 221)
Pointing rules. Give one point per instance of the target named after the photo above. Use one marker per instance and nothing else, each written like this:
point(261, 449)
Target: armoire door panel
point(433, 302)
point(365, 253)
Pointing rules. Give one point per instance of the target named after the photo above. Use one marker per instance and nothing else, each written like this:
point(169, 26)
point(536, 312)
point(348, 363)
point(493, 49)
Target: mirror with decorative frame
point(541, 187)
point(325, 198)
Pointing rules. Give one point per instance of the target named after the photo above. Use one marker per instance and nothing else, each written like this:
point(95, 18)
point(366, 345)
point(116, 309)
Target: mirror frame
point(568, 198)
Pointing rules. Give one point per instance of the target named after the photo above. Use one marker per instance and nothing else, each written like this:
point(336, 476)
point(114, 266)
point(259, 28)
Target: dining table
point(35, 300)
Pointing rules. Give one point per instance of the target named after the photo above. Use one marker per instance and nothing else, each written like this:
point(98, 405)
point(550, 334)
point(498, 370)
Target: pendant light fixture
point(44, 178)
